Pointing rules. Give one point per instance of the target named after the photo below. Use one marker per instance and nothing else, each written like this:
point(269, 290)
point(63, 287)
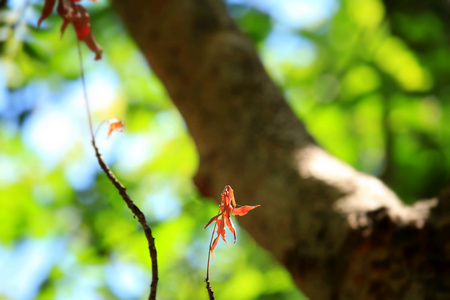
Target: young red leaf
point(212, 219)
point(231, 228)
point(227, 208)
point(243, 210)
point(221, 230)
point(214, 244)
point(115, 125)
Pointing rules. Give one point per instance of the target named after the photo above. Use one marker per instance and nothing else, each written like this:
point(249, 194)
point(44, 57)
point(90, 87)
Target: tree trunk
point(341, 234)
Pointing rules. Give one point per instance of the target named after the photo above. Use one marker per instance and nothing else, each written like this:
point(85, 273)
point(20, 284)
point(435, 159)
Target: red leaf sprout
point(115, 125)
point(227, 208)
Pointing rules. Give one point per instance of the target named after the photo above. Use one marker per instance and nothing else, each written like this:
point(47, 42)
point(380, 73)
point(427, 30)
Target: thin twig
point(209, 251)
point(123, 192)
point(138, 213)
point(86, 101)
point(208, 284)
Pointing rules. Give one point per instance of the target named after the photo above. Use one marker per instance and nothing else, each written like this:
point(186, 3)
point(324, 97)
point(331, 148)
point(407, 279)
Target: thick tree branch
point(342, 234)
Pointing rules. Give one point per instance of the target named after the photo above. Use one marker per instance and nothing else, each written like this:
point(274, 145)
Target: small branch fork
point(123, 192)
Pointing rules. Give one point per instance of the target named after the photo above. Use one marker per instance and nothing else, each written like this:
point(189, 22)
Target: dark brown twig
point(138, 213)
point(210, 291)
point(123, 192)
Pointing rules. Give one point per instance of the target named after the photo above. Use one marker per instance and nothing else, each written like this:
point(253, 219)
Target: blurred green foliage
point(369, 84)
point(373, 99)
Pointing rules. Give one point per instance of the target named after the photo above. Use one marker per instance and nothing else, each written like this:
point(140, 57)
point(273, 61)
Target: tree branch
point(138, 213)
point(121, 188)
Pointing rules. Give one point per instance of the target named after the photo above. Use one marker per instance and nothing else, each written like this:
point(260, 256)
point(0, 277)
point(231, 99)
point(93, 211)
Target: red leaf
point(93, 46)
point(115, 125)
point(221, 229)
point(212, 219)
point(231, 228)
point(216, 240)
point(227, 208)
point(46, 11)
point(243, 210)
point(76, 15)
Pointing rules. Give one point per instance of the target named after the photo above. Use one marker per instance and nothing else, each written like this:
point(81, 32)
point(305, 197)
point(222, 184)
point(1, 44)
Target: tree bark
point(341, 234)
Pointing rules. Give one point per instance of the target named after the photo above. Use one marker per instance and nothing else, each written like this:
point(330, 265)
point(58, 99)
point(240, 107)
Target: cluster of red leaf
point(227, 208)
point(76, 15)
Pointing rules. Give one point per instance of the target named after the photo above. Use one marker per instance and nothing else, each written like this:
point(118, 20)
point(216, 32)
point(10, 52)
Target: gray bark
point(342, 234)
